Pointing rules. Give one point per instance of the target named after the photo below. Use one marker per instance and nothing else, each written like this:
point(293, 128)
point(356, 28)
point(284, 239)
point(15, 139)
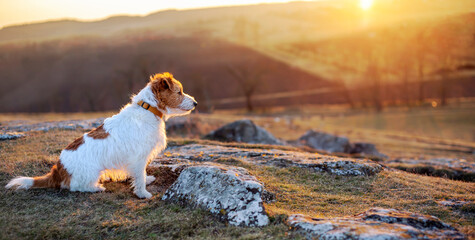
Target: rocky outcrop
point(376, 223)
point(243, 131)
point(48, 126)
point(457, 169)
point(453, 203)
point(332, 143)
point(10, 135)
point(229, 192)
point(326, 142)
point(279, 158)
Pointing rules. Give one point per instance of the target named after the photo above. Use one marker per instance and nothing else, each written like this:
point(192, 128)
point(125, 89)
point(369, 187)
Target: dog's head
point(170, 96)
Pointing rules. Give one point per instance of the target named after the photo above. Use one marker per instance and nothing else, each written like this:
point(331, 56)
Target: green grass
point(118, 214)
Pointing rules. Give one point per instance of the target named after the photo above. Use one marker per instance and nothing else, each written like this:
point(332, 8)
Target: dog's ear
point(163, 80)
point(166, 83)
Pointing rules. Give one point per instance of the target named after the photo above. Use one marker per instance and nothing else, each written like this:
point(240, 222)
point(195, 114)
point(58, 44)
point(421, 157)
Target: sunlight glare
point(366, 4)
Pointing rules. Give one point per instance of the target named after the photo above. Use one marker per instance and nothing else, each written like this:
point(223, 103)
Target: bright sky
point(25, 11)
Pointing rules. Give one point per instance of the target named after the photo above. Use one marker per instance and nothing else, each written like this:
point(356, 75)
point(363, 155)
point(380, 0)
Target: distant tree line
point(404, 65)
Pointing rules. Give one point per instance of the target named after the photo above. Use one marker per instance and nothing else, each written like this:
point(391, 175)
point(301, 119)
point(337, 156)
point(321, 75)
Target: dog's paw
point(149, 179)
point(143, 194)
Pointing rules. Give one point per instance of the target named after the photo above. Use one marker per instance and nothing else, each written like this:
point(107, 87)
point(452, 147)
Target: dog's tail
point(58, 177)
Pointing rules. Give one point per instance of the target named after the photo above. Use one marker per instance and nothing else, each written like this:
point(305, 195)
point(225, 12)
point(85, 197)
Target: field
point(118, 214)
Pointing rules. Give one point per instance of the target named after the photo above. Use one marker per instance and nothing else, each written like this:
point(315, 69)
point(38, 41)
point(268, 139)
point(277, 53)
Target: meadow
point(118, 214)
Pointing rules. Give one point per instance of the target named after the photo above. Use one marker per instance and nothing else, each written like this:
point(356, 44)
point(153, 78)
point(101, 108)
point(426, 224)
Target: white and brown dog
point(121, 147)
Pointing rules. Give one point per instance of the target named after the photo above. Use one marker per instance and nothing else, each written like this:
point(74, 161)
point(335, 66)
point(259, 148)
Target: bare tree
point(447, 62)
point(420, 59)
point(248, 79)
point(201, 91)
point(373, 73)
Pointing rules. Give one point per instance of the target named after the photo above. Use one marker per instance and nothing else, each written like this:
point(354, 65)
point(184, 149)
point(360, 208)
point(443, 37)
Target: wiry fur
point(128, 141)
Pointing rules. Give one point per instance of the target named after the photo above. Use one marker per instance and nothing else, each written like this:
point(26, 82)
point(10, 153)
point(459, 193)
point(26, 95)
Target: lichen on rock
point(376, 223)
point(274, 157)
point(11, 135)
point(229, 192)
point(56, 125)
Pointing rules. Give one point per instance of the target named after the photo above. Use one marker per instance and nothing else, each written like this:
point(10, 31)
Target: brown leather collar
point(150, 108)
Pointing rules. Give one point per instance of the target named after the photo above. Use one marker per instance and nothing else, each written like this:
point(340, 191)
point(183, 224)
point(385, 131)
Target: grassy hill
point(96, 74)
point(287, 47)
point(276, 22)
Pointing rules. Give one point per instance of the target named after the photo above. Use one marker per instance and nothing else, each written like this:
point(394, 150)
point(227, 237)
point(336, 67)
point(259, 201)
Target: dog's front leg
point(139, 174)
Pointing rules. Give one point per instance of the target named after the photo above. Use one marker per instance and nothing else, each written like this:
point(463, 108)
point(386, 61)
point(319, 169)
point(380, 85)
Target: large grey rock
point(332, 143)
point(326, 142)
point(366, 149)
point(273, 157)
point(11, 135)
point(48, 126)
point(229, 192)
point(376, 223)
point(243, 131)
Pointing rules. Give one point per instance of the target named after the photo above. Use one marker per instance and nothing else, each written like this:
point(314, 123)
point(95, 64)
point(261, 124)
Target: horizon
point(40, 12)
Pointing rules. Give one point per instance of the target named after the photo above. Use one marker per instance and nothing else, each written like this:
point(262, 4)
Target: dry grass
point(117, 213)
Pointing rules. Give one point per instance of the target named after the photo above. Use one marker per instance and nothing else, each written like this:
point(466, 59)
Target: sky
point(13, 12)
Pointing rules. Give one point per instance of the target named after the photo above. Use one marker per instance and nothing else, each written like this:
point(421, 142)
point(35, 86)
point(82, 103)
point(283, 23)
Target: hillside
point(311, 20)
point(402, 51)
point(95, 74)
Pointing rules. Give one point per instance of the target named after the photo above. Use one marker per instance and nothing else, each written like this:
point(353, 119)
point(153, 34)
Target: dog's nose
point(195, 103)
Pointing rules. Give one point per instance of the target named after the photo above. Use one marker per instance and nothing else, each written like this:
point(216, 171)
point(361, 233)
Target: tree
point(420, 58)
point(248, 79)
point(447, 62)
point(373, 73)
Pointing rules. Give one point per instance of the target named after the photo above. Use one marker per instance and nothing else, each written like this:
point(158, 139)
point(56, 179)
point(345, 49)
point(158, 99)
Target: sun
point(366, 4)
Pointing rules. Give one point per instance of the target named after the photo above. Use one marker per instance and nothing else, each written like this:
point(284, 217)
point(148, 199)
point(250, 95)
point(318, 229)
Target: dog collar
point(150, 108)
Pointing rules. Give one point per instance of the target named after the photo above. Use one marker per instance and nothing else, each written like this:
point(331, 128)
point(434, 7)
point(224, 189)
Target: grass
point(398, 132)
point(118, 214)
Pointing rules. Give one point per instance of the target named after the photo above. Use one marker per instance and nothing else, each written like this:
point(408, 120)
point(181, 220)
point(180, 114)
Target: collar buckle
point(147, 107)
point(150, 108)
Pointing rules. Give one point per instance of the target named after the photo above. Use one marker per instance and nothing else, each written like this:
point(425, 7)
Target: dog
point(122, 146)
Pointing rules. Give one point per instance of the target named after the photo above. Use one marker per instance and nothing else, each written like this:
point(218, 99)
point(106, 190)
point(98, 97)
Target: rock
point(326, 142)
point(331, 143)
point(454, 203)
point(452, 163)
point(182, 126)
point(61, 125)
point(366, 149)
point(243, 131)
point(273, 157)
point(11, 135)
point(457, 169)
point(376, 223)
point(229, 192)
